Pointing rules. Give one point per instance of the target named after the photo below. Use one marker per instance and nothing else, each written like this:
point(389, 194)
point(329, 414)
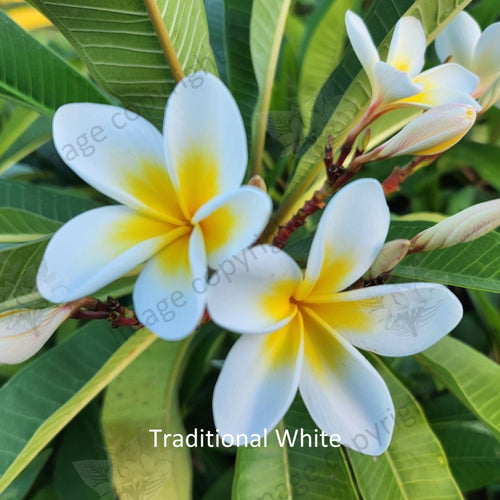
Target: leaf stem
point(164, 39)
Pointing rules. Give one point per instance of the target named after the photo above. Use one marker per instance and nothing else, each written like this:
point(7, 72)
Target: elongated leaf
point(323, 48)
point(215, 11)
point(471, 265)
point(470, 376)
point(34, 409)
point(141, 398)
point(22, 485)
point(21, 226)
point(18, 269)
point(49, 203)
point(346, 92)
point(117, 42)
point(32, 137)
point(414, 466)
point(36, 76)
point(473, 453)
point(267, 26)
point(293, 472)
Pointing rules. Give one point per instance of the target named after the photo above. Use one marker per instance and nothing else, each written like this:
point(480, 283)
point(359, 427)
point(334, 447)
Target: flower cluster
point(182, 213)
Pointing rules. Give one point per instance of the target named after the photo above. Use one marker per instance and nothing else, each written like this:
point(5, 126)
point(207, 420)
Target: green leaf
point(414, 466)
point(345, 94)
point(473, 453)
point(29, 136)
point(37, 77)
point(472, 377)
point(117, 43)
point(82, 470)
point(144, 397)
point(322, 50)
point(475, 264)
point(50, 203)
point(267, 26)
point(41, 399)
point(21, 226)
point(22, 485)
point(275, 471)
point(18, 269)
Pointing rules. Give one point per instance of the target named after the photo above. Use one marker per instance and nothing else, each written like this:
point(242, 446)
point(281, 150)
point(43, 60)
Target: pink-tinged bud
point(390, 256)
point(23, 332)
point(432, 133)
point(258, 182)
point(464, 226)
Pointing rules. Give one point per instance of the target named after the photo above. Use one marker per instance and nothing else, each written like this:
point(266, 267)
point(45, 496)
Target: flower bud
point(464, 226)
point(432, 133)
point(258, 182)
point(390, 256)
point(23, 332)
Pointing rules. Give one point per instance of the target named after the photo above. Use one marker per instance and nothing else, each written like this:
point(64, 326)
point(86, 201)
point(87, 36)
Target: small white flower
point(478, 52)
point(399, 80)
point(301, 330)
point(23, 332)
point(181, 207)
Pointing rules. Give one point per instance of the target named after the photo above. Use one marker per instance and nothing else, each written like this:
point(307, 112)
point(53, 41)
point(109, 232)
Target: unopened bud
point(467, 225)
point(258, 182)
point(23, 332)
point(432, 133)
point(390, 256)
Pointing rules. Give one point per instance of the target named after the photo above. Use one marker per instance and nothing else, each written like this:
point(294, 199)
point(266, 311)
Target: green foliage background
point(74, 420)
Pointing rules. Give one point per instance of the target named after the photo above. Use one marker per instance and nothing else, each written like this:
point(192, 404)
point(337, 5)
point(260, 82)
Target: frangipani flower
point(181, 205)
point(429, 134)
point(399, 81)
point(23, 332)
point(462, 39)
point(301, 331)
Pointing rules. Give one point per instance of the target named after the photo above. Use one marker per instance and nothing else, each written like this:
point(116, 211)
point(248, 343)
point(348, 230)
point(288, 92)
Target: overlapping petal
point(486, 63)
point(408, 44)
point(118, 153)
point(343, 393)
point(392, 85)
point(251, 292)
point(459, 40)
point(97, 247)
point(232, 221)
point(167, 297)
point(351, 233)
point(204, 139)
point(391, 320)
point(362, 43)
point(259, 381)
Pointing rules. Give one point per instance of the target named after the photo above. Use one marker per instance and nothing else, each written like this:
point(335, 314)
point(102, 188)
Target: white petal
point(350, 235)
point(408, 44)
point(96, 248)
point(486, 63)
point(491, 96)
point(391, 85)
point(24, 332)
point(258, 381)
point(449, 77)
point(251, 292)
point(459, 40)
point(440, 97)
point(232, 221)
point(118, 153)
point(205, 141)
point(392, 320)
point(362, 43)
point(343, 393)
point(167, 298)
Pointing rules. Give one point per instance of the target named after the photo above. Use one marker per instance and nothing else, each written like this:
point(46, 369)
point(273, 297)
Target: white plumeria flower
point(300, 329)
point(23, 332)
point(399, 81)
point(181, 205)
point(478, 52)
